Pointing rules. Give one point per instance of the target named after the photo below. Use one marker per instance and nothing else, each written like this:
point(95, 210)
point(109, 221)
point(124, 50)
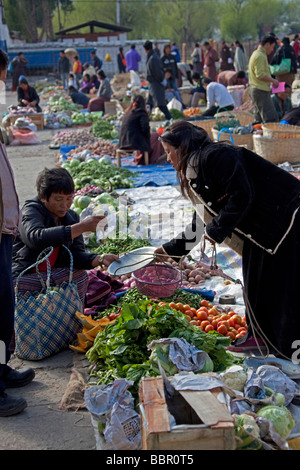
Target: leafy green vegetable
point(121, 350)
point(281, 418)
point(94, 172)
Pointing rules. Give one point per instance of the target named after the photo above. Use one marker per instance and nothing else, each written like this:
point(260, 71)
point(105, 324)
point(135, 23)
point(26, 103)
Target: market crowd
point(230, 181)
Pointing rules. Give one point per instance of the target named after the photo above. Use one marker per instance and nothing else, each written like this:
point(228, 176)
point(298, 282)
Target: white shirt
point(218, 95)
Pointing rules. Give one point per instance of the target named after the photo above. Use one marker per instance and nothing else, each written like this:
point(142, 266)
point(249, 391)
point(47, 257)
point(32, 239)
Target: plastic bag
point(134, 79)
point(123, 429)
point(175, 104)
point(24, 137)
point(113, 405)
point(278, 381)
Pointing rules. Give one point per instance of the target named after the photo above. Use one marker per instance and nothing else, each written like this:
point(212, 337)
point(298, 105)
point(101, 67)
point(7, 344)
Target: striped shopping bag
point(45, 322)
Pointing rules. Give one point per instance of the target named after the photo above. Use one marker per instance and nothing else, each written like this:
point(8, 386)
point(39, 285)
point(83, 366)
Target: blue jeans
point(7, 302)
point(65, 80)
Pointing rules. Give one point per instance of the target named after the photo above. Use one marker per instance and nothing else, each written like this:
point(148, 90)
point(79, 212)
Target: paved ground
point(43, 425)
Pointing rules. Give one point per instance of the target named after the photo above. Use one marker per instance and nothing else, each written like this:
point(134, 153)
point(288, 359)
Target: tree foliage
point(178, 20)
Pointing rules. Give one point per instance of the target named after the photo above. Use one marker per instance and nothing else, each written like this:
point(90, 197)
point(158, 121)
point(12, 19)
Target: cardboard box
point(202, 422)
point(36, 118)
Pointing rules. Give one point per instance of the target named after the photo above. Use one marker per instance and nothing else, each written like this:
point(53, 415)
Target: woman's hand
point(160, 254)
point(104, 260)
point(89, 224)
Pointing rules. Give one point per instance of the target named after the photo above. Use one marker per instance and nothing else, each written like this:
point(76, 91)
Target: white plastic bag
point(175, 104)
point(135, 79)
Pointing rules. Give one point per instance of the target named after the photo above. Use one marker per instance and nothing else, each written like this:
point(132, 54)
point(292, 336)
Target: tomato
point(241, 329)
point(215, 323)
point(230, 314)
point(237, 319)
point(225, 322)
point(224, 317)
point(161, 304)
point(204, 324)
point(243, 323)
point(233, 330)
point(240, 335)
point(186, 307)
point(230, 335)
point(204, 303)
point(179, 306)
point(213, 311)
point(222, 330)
point(208, 328)
point(203, 309)
point(173, 305)
point(231, 322)
point(201, 315)
point(189, 313)
point(194, 310)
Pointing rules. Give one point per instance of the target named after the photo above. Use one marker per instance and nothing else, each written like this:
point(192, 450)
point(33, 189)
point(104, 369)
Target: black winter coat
point(38, 231)
point(33, 96)
point(286, 52)
point(135, 131)
point(169, 63)
point(155, 76)
point(245, 193)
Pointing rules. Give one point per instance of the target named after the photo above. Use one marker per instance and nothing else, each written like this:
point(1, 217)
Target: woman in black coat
point(135, 129)
point(248, 198)
point(286, 51)
point(48, 221)
point(27, 95)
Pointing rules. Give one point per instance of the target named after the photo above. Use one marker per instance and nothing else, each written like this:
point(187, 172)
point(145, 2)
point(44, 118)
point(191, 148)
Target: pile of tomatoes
point(211, 317)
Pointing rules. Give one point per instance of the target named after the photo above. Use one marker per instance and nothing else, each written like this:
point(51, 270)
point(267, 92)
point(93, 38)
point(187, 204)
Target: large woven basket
point(206, 124)
point(244, 117)
point(238, 139)
point(277, 150)
point(275, 129)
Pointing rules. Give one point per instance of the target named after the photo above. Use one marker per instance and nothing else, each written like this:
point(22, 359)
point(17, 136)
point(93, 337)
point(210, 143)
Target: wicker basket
point(245, 140)
point(206, 124)
point(277, 150)
point(245, 118)
point(275, 129)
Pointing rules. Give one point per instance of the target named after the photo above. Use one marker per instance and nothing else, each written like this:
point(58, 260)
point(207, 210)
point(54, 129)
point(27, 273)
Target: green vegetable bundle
point(99, 173)
point(120, 351)
point(104, 129)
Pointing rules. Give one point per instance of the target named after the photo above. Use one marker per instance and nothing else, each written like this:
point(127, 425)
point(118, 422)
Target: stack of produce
point(100, 173)
point(100, 148)
point(105, 129)
point(191, 112)
point(80, 137)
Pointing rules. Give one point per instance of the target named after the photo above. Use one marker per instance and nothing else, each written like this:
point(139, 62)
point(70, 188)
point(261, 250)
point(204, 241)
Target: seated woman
point(282, 101)
point(86, 84)
point(78, 97)
point(48, 221)
point(27, 95)
point(104, 94)
point(135, 133)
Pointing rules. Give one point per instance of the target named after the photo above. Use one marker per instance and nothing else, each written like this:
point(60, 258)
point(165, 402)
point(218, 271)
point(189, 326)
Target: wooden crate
point(36, 118)
point(202, 422)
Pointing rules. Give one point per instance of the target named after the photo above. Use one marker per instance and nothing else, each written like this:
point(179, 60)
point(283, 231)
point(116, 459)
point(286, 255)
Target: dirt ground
point(43, 425)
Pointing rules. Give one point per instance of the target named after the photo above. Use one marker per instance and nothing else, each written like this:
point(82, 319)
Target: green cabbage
point(281, 418)
point(245, 424)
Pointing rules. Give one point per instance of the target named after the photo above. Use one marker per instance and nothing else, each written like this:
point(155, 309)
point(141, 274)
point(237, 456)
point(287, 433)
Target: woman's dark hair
point(56, 180)
point(286, 41)
point(237, 43)
point(166, 47)
point(138, 102)
point(76, 57)
point(101, 74)
point(189, 139)
point(87, 76)
point(4, 60)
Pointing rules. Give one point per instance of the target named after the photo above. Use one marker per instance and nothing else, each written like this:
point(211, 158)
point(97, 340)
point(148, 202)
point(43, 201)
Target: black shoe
point(10, 406)
point(19, 378)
